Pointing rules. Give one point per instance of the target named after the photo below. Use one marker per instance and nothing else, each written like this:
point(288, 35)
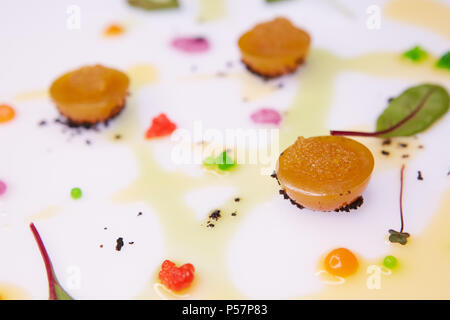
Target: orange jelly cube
point(325, 173)
point(90, 94)
point(274, 48)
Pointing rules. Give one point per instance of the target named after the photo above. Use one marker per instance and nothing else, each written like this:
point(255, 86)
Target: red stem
point(47, 262)
point(401, 197)
point(390, 129)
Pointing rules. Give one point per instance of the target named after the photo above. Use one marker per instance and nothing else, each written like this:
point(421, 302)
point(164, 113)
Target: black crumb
point(352, 206)
point(215, 215)
point(42, 123)
point(237, 199)
point(419, 175)
point(385, 153)
point(234, 214)
point(274, 175)
point(119, 244)
point(139, 214)
point(105, 228)
point(280, 85)
point(132, 242)
point(101, 246)
point(420, 147)
point(88, 142)
point(402, 145)
point(386, 142)
point(390, 99)
point(404, 156)
point(285, 196)
point(118, 136)
point(210, 225)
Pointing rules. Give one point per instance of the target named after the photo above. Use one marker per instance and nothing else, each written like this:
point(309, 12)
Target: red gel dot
point(161, 126)
point(2, 187)
point(267, 116)
point(190, 45)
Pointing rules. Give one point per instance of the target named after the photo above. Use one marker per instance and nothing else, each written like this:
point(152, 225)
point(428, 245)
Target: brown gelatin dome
point(324, 173)
point(90, 94)
point(274, 48)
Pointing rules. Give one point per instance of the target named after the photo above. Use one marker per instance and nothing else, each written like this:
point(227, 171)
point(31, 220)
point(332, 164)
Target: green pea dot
point(225, 162)
point(390, 262)
point(76, 193)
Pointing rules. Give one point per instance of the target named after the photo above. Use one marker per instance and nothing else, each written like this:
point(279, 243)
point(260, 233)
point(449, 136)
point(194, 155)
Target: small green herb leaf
point(416, 54)
point(398, 237)
point(444, 61)
point(154, 4)
point(435, 104)
point(56, 292)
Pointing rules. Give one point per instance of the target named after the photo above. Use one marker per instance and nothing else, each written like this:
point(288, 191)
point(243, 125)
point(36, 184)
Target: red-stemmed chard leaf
point(56, 292)
point(412, 112)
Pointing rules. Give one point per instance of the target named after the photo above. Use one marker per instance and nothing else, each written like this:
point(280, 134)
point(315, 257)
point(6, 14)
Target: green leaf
point(416, 54)
point(444, 61)
point(56, 292)
point(435, 104)
point(398, 237)
point(154, 4)
point(225, 162)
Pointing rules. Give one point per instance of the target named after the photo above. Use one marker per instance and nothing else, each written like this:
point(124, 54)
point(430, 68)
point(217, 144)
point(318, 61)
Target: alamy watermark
point(245, 146)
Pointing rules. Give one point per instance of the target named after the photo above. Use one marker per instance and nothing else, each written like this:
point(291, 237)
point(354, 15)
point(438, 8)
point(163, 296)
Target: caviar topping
point(90, 94)
point(324, 173)
point(274, 48)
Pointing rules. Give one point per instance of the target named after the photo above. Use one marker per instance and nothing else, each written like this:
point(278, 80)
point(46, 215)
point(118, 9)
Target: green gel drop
point(76, 193)
point(390, 262)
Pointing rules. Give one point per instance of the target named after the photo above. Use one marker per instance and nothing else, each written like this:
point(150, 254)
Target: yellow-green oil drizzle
point(211, 10)
point(187, 240)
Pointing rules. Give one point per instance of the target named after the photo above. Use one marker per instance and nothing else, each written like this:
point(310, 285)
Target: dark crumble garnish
point(420, 147)
point(88, 142)
point(419, 175)
point(101, 246)
point(42, 123)
point(234, 214)
point(385, 153)
point(386, 142)
point(403, 145)
point(215, 215)
point(105, 228)
point(280, 85)
point(285, 196)
point(404, 156)
point(131, 242)
point(119, 243)
point(352, 206)
point(237, 199)
point(210, 225)
point(390, 99)
point(139, 213)
point(118, 136)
